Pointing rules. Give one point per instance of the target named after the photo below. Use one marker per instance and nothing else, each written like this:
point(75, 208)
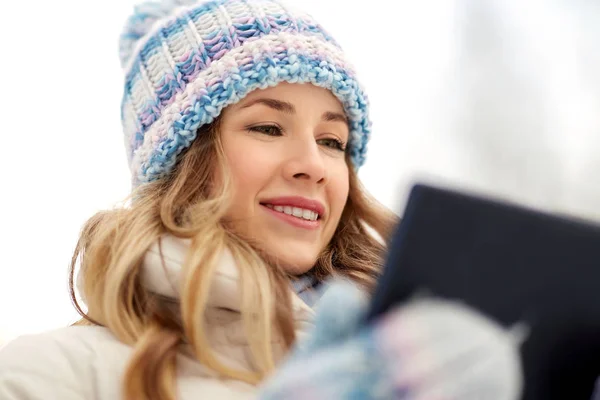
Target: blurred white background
point(497, 96)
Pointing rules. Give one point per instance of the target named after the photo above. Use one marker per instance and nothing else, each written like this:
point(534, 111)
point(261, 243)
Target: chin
point(296, 269)
point(297, 266)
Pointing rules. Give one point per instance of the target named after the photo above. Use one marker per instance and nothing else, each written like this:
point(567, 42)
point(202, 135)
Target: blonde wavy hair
point(190, 204)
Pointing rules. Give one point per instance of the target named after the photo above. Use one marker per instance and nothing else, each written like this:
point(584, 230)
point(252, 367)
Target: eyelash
point(337, 144)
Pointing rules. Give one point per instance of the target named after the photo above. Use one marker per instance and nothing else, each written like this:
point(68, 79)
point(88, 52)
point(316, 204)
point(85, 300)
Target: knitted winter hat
point(186, 60)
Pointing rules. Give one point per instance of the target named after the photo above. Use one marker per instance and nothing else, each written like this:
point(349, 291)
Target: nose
point(305, 162)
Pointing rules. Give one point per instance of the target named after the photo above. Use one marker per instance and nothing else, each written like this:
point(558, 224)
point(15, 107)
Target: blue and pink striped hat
point(186, 60)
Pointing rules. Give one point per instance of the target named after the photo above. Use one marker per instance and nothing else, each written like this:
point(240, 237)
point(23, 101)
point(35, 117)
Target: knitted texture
point(185, 61)
point(424, 349)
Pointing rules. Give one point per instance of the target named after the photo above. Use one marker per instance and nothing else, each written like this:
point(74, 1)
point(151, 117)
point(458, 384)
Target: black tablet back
point(514, 265)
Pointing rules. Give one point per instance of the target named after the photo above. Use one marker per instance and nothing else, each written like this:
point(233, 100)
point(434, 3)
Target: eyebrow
point(288, 108)
point(283, 106)
point(335, 116)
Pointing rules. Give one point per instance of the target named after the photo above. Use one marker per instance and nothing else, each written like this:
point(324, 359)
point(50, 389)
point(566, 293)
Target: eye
point(333, 143)
point(269, 130)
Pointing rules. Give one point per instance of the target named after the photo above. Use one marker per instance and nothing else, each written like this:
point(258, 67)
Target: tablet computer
point(513, 264)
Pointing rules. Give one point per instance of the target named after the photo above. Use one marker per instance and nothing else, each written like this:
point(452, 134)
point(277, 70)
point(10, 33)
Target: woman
point(244, 128)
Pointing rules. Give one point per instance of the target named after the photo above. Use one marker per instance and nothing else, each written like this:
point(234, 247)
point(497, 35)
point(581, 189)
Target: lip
point(294, 221)
point(297, 201)
point(300, 202)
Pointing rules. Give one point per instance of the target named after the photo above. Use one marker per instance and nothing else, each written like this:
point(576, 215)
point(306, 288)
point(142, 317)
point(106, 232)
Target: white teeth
point(298, 212)
point(307, 214)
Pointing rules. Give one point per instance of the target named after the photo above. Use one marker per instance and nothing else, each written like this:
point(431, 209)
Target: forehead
point(302, 95)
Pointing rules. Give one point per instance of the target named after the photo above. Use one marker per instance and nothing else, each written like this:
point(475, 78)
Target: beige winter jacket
point(76, 363)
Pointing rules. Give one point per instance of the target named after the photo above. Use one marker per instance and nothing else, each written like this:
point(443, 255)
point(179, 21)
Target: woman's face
point(285, 147)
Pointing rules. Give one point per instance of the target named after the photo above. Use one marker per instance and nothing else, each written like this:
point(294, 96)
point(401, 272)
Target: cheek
point(339, 188)
point(250, 172)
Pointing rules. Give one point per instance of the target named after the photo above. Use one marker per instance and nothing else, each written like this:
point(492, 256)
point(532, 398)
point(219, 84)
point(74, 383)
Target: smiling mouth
point(300, 213)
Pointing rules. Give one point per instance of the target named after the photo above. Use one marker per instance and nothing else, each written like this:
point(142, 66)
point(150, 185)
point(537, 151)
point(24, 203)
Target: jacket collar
point(162, 275)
